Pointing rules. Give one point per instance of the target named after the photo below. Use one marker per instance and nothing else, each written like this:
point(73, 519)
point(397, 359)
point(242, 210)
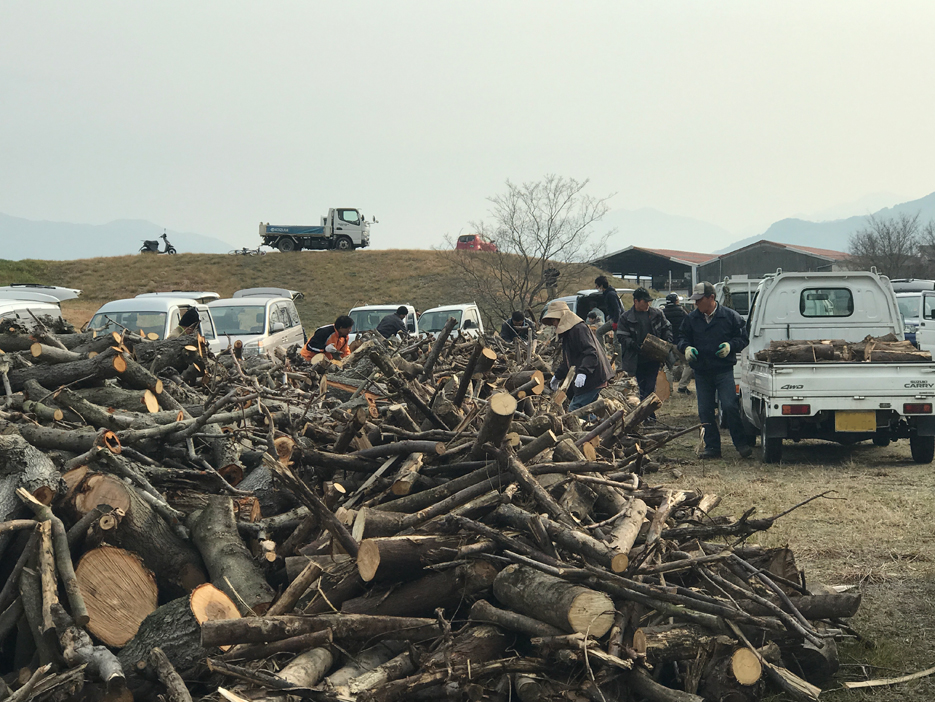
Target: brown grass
point(333, 281)
point(874, 532)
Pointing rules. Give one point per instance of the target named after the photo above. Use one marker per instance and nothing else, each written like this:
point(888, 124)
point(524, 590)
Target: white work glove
point(554, 382)
point(723, 350)
point(691, 353)
point(331, 348)
point(580, 380)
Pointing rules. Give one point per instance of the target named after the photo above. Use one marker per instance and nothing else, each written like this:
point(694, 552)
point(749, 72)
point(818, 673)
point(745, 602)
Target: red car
point(475, 242)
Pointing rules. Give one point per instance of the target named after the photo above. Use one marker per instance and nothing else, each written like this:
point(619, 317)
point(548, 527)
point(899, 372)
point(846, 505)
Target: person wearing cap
point(516, 326)
point(633, 327)
point(676, 316)
point(393, 323)
point(581, 350)
point(710, 338)
point(188, 324)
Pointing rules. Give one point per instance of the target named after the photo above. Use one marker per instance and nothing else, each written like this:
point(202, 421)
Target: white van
point(367, 317)
point(153, 315)
point(262, 319)
point(19, 311)
point(469, 320)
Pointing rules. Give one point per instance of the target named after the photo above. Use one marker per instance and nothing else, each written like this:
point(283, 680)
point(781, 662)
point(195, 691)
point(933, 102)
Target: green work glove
point(691, 353)
point(723, 350)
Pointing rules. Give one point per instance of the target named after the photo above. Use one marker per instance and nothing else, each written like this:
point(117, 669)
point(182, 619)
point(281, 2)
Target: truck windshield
point(365, 320)
point(435, 321)
point(239, 320)
point(909, 306)
point(146, 322)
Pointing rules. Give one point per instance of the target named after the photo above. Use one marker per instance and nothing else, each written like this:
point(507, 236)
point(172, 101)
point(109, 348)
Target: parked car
point(469, 320)
point(262, 319)
point(21, 291)
point(154, 316)
point(45, 307)
point(367, 317)
point(474, 242)
point(910, 307)
point(737, 293)
point(581, 303)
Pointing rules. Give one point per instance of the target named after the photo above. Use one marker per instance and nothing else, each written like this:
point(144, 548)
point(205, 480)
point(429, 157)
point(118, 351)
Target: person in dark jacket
point(632, 328)
point(393, 323)
point(710, 339)
point(516, 326)
point(676, 314)
point(188, 324)
point(330, 340)
point(612, 308)
point(581, 350)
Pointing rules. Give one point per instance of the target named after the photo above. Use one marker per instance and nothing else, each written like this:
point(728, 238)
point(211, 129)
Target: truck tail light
point(796, 410)
point(918, 408)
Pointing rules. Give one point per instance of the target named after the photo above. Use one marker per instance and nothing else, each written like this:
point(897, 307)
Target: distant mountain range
point(62, 241)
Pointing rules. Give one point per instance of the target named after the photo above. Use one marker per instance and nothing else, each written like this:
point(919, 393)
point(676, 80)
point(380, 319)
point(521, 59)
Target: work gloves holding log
point(691, 353)
point(331, 348)
point(554, 383)
point(723, 350)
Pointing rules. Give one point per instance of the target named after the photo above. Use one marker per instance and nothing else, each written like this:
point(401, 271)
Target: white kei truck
point(841, 401)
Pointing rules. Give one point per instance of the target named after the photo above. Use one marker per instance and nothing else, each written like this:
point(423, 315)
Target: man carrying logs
point(330, 340)
point(633, 327)
point(710, 338)
point(581, 350)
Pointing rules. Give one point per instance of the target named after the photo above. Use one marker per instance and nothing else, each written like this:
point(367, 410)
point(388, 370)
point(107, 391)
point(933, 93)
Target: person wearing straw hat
point(710, 338)
point(581, 349)
point(633, 327)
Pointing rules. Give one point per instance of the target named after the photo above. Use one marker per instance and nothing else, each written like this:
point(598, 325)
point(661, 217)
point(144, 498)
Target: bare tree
point(544, 232)
point(894, 246)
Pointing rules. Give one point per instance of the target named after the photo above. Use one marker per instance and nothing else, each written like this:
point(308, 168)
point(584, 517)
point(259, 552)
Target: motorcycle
point(153, 246)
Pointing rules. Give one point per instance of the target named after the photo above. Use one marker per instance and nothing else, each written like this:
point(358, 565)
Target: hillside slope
point(332, 281)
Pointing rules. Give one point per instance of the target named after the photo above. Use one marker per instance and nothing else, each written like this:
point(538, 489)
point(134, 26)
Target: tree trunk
point(473, 643)
point(497, 421)
point(232, 568)
point(482, 611)
point(178, 567)
point(118, 591)
point(403, 557)
point(108, 364)
point(571, 608)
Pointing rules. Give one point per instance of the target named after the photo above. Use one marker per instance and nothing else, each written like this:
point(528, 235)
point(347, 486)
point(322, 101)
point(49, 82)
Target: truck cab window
point(826, 302)
point(349, 216)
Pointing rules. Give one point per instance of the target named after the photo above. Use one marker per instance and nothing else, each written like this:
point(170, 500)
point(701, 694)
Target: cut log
point(51, 355)
point(483, 611)
point(407, 475)
point(272, 499)
point(23, 466)
point(178, 567)
point(232, 568)
point(403, 557)
point(175, 627)
point(135, 377)
point(497, 421)
point(479, 643)
point(119, 593)
point(108, 364)
point(571, 608)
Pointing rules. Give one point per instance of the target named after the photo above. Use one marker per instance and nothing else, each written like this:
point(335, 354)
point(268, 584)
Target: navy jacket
point(611, 305)
point(725, 326)
point(581, 349)
point(628, 332)
point(391, 324)
point(508, 332)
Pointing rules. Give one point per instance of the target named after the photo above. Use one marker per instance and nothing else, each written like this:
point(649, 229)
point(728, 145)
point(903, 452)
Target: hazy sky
point(213, 116)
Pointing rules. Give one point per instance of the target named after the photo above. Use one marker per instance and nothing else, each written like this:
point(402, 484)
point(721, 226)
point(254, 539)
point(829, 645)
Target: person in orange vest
point(330, 340)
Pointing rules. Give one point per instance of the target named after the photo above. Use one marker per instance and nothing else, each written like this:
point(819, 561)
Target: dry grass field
point(333, 281)
point(877, 533)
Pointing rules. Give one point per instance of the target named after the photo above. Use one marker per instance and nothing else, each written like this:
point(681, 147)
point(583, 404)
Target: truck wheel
point(285, 244)
point(771, 449)
point(344, 244)
point(923, 448)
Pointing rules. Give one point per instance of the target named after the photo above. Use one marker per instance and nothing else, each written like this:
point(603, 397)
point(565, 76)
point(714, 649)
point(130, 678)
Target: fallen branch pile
point(422, 521)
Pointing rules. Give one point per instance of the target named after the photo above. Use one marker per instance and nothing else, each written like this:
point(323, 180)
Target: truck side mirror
point(277, 327)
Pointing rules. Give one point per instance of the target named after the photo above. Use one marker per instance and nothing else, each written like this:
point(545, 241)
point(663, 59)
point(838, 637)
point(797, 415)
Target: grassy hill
point(333, 281)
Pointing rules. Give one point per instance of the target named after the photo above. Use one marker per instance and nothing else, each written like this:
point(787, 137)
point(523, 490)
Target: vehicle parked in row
point(581, 303)
point(910, 307)
point(842, 401)
point(154, 315)
point(24, 304)
point(469, 320)
point(21, 291)
point(262, 319)
point(367, 317)
point(474, 242)
point(737, 293)
point(343, 228)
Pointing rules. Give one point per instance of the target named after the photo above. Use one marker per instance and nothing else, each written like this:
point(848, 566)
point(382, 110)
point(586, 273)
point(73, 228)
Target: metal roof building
point(763, 257)
point(662, 269)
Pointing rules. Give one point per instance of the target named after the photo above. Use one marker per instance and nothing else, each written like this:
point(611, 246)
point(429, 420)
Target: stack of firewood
point(879, 349)
point(422, 521)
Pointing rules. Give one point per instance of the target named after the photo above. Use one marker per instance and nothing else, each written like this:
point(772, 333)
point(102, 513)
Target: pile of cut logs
point(424, 521)
point(879, 349)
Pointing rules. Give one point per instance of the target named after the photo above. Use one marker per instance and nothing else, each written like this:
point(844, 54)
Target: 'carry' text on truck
point(342, 228)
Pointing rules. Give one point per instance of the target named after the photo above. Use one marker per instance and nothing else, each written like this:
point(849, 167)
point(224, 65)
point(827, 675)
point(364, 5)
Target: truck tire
point(770, 449)
point(344, 244)
point(923, 448)
point(285, 244)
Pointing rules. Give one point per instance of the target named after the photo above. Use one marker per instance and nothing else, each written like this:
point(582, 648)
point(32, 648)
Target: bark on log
point(77, 649)
point(571, 608)
point(403, 557)
point(118, 591)
point(482, 611)
point(108, 364)
point(497, 421)
point(307, 669)
point(178, 567)
point(437, 347)
point(51, 355)
point(178, 352)
point(232, 568)
point(176, 691)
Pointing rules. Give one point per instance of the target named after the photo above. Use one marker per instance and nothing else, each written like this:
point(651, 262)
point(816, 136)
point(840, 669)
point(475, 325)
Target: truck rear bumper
point(821, 426)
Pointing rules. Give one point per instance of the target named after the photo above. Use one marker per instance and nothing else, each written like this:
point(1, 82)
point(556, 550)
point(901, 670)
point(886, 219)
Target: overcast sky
point(213, 116)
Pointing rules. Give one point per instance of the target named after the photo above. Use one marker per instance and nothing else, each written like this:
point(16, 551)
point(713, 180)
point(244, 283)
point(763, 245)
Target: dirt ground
point(874, 532)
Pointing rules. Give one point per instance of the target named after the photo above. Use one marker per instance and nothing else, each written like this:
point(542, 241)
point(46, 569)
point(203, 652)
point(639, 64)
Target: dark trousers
point(711, 387)
point(646, 378)
point(583, 398)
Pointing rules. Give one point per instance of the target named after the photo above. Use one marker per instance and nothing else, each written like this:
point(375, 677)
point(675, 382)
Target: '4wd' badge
point(792, 387)
point(919, 384)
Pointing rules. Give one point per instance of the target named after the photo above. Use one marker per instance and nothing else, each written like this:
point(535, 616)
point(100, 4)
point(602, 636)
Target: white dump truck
point(343, 228)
